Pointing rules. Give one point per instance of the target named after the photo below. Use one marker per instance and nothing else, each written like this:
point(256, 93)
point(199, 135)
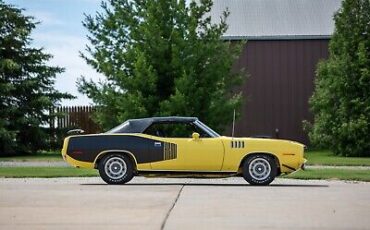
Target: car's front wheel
point(259, 169)
point(116, 169)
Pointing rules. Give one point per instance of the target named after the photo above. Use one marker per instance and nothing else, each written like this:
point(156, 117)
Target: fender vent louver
point(237, 144)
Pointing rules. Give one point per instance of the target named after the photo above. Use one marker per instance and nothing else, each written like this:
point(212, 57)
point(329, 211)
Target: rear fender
point(122, 152)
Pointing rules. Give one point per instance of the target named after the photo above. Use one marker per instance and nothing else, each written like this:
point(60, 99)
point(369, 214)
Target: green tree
point(341, 101)
point(26, 84)
point(161, 57)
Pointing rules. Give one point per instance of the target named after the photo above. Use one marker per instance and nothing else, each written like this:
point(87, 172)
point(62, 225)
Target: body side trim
point(291, 168)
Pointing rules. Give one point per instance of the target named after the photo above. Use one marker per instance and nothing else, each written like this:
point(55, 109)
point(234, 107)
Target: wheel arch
point(244, 158)
point(102, 154)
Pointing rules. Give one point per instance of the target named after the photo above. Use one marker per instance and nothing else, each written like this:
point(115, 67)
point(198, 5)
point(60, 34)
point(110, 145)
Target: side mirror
point(195, 136)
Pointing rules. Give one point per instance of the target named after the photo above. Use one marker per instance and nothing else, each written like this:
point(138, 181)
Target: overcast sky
point(61, 34)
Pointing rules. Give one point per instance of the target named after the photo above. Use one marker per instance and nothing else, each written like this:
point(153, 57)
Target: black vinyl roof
point(140, 125)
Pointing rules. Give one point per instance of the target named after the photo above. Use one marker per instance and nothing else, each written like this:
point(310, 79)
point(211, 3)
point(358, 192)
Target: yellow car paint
point(218, 154)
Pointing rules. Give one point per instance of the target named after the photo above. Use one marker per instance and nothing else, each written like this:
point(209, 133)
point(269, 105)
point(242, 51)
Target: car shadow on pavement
point(212, 185)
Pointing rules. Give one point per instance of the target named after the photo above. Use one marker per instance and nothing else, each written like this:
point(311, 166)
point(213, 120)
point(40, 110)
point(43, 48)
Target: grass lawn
point(43, 156)
point(341, 174)
point(324, 157)
point(46, 172)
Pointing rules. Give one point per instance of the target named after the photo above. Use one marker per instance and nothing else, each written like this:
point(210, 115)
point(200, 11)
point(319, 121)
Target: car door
point(182, 152)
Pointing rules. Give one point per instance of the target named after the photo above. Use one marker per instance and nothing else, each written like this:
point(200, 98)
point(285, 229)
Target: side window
point(174, 130)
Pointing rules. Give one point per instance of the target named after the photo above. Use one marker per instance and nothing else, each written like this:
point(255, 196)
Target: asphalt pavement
point(161, 203)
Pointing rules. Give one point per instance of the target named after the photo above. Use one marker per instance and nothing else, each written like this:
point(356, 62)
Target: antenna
point(232, 134)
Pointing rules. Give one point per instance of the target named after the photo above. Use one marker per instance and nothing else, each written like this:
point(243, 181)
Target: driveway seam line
point(172, 207)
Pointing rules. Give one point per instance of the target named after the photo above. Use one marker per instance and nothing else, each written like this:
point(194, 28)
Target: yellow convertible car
point(180, 147)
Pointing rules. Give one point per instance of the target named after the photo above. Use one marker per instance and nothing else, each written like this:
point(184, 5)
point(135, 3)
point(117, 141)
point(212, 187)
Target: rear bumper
point(79, 164)
point(64, 149)
point(72, 161)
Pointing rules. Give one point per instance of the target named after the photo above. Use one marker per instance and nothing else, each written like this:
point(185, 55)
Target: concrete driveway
point(155, 203)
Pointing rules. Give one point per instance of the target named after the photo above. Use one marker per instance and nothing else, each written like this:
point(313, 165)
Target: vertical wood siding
point(76, 117)
point(281, 77)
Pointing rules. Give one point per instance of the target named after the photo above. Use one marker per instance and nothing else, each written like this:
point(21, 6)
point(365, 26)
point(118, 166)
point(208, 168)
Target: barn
point(285, 41)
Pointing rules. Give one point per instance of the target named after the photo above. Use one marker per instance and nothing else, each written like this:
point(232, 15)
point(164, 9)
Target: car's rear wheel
point(259, 169)
point(116, 169)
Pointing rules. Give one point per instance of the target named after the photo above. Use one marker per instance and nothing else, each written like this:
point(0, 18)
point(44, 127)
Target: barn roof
point(277, 19)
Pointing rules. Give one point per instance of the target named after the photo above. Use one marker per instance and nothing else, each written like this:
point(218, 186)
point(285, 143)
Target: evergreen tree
point(341, 101)
point(161, 57)
point(26, 84)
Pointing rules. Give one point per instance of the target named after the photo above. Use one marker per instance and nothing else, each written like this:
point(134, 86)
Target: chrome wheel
point(259, 169)
point(115, 168)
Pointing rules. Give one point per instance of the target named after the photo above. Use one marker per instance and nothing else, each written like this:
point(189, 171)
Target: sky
point(62, 35)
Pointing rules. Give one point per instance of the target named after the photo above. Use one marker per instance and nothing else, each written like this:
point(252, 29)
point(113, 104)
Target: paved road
point(87, 203)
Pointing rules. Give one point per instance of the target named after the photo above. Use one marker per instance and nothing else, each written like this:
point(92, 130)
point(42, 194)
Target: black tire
point(116, 169)
point(259, 169)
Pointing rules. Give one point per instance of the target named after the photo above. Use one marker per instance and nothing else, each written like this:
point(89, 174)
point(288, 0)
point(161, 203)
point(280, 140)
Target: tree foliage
point(341, 101)
point(161, 57)
point(26, 84)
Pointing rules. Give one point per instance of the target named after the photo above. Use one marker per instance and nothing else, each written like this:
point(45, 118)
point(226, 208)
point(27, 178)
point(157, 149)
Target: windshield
point(207, 129)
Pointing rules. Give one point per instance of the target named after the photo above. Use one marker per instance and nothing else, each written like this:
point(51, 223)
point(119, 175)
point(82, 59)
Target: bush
point(341, 101)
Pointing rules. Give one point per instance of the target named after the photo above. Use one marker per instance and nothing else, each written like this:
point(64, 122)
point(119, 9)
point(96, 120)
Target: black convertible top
point(140, 125)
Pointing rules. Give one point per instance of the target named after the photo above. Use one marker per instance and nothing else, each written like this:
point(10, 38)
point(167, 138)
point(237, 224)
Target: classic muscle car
point(180, 147)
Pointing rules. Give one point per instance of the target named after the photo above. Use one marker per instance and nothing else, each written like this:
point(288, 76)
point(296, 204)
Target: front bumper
point(303, 166)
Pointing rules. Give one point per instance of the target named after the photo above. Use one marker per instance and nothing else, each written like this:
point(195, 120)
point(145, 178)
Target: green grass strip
point(328, 158)
point(38, 157)
point(46, 172)
point(339, 174)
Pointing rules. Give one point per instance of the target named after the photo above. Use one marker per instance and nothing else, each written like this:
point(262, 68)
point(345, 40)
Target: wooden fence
point(73, 117)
